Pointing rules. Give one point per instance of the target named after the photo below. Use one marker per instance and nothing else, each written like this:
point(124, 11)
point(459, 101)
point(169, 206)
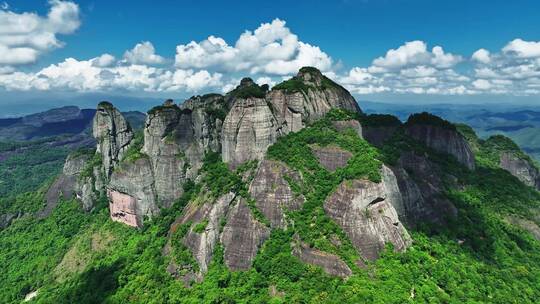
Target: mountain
point(33, 147)
point(519, 122)
point(288, 195)
point(68, 120)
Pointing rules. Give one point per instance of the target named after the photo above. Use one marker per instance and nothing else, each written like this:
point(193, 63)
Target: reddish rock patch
point(123, 208)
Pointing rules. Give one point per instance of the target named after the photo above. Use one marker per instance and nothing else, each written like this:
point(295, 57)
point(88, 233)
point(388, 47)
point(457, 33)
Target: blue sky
point(393, 50)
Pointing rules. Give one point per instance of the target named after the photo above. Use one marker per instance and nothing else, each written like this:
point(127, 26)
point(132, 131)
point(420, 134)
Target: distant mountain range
point(68, 120)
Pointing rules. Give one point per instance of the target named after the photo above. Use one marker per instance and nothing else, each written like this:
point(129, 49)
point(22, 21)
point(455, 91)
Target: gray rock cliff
point(242, 236)
point(521, 168)
point(365, 211)
point(272, 192)
point(113, 135)
point(441, 136)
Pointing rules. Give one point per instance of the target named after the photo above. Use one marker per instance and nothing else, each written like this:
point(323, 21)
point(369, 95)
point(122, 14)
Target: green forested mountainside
point(478, 257)
point(520, 123)
point(26, 166)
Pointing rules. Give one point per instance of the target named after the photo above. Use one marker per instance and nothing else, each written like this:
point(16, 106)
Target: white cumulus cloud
point(26, 36)
point(481, 55)
point(143, 53)
point(523, 49)
point(272, 49)
point(415, 53)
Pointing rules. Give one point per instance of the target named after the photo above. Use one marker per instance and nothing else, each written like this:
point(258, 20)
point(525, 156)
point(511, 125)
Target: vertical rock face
point(89, 187)
point(133, 180)
point(164, 152)
point(257, 118)
point(378, 135)
point(242, 236)
point(441, 136)
point(272, 193)
point(366, 213)
point(176, 139)
point(248, 130)
point(66, 184)
point(123, 208)
point(307, 97)
point(520, 168)
point(422, 189)
point(378, 128)
point(202, 244)
point(113, 135)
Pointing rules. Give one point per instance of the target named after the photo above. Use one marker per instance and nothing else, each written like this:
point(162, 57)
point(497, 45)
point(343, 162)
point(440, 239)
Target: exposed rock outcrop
point(307, 97)
point(176, 139)
point(331, 157)
point(6, 219)
point(365, 211)
point(66, 183)
point(257, 118)
point(242, 236)
point(526, 225)
point(113, 135)
point(378, 128)
point(272, 192)
point(164, 152)
point(521, 168)
point(89, 188)
point(344, 125)
point(131, 192)
point(330, 263)
point(248, 130)
point(422, 191)
point(202, 244)
point(441, 136)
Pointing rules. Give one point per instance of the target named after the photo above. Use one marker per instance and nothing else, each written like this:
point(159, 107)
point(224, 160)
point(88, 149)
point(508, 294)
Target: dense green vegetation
point(380, 120)
point(25, 166)
point(429, 119)
point(488, 151)
point(74, 257)
point(297, 84)
point(134, 150)
point(295, 150)
point(248, 89)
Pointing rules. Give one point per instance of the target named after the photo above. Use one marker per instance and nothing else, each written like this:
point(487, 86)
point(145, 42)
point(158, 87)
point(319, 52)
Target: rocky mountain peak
point(168, 103)
point(310, 75)
point(113, 134)
point(246, 82)
point(440, 135)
